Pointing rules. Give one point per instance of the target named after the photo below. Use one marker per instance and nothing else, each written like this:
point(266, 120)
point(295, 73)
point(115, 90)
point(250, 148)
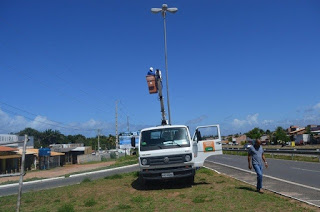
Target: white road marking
point(275, 178)
point(305, 169)
point(212, 169)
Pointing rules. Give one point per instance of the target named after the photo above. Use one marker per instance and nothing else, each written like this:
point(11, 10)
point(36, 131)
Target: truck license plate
point(166, 175)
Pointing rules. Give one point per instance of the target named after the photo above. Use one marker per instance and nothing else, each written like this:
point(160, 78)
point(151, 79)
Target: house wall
point(301, 139)
point(88, 158)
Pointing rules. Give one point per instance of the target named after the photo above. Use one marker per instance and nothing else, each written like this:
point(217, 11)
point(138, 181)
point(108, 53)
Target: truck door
point(206, 142)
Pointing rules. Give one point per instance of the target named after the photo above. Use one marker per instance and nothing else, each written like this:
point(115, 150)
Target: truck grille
point(170, 159)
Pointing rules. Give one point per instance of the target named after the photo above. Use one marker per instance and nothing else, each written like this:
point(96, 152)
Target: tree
point(254, 133)
point(280, 135)
point(51, 137)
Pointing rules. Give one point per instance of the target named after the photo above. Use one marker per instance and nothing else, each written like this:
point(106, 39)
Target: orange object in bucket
point(151, 80)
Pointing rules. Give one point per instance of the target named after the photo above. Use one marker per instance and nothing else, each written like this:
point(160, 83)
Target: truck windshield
point(164, 139)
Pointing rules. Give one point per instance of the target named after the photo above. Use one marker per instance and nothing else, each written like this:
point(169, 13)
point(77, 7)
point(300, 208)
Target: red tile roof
point(7, 149)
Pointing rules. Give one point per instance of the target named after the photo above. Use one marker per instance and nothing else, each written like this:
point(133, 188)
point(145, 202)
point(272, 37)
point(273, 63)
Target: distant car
point(247, 146)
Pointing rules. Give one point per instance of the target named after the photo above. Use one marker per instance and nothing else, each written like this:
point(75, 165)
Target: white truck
point(169, 151)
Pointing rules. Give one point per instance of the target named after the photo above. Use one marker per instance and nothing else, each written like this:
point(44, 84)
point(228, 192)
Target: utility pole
point(98, 141)
point(164, 11)
point(128, 123)
point(22, 172)
point(117, 143)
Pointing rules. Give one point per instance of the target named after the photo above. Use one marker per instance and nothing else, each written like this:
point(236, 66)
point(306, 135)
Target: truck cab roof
point(164, 127)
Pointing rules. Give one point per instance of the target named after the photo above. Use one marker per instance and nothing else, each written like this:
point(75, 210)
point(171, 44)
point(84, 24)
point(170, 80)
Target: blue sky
point(241, 64)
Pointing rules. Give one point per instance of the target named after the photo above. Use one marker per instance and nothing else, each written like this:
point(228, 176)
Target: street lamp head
point(172, 10)
point(164, 9)
point(156, 10)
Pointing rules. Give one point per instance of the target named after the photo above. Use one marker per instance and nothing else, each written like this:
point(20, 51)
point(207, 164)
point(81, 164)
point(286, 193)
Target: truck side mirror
point(198, 135)
point(133, 141)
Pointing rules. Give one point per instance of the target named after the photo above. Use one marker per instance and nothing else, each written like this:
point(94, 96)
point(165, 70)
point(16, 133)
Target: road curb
point(101, 171)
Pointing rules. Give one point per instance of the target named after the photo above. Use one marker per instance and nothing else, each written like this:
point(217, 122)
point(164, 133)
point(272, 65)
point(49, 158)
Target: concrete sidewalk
point(293, 190)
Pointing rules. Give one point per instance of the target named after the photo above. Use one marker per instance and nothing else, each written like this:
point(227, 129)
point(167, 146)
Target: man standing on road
point(255, 154)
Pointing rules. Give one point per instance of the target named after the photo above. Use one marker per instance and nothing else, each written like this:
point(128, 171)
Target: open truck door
point(206, 142)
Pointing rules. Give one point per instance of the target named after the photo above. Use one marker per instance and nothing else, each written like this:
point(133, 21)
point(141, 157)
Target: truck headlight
point(144, 161)
point(187, 158)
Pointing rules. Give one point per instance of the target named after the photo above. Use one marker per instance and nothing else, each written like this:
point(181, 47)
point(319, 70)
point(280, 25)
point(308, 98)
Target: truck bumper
point(167, 173)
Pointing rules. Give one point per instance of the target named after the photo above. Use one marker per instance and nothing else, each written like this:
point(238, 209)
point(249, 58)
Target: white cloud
point(250, 120)
point(267, 122)
point(317, 106)
point(15, 124)
point(239, 123)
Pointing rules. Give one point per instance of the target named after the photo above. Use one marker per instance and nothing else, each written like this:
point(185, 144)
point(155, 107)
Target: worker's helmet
point(151, 69)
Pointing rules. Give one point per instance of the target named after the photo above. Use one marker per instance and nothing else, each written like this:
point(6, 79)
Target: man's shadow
point(161, 185)
point(246, 188)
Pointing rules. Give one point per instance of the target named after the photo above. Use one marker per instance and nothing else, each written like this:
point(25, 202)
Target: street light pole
point(163, 11)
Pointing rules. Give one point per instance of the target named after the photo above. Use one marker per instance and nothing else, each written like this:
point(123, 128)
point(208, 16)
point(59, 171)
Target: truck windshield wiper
point(173, 142)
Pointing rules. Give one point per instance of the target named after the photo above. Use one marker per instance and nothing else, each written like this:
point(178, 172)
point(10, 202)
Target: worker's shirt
point(256, 154)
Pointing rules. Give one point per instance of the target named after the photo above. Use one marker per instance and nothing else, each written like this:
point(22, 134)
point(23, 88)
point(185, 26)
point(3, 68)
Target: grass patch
point(200, 198)
point(210, 192)
point(66, 208)
point(90, 202)
point(139, 199)
point(86, 180)
point(123, 207)
point(205, 171)
point(115, 176)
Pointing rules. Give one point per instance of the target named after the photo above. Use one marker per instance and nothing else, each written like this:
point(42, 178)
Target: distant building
point(302, 139)
point(241, 138)
point(293, 128)
point(9, 160)
point(71, 151)
point(299, 131)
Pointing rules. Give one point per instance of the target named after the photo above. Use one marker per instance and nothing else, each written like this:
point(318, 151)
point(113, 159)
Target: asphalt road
point(76, 179)
point(306, 173)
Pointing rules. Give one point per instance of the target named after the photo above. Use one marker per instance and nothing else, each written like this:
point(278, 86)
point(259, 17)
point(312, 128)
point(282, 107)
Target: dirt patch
point(59, 171)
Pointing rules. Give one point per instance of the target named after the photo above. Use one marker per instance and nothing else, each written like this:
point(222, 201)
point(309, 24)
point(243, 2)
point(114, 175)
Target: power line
point(43, 122)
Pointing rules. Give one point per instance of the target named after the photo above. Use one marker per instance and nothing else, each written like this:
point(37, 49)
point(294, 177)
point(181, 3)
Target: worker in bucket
point(150, 72)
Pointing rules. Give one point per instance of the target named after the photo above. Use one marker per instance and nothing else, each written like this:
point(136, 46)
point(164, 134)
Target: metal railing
point(315, 152)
